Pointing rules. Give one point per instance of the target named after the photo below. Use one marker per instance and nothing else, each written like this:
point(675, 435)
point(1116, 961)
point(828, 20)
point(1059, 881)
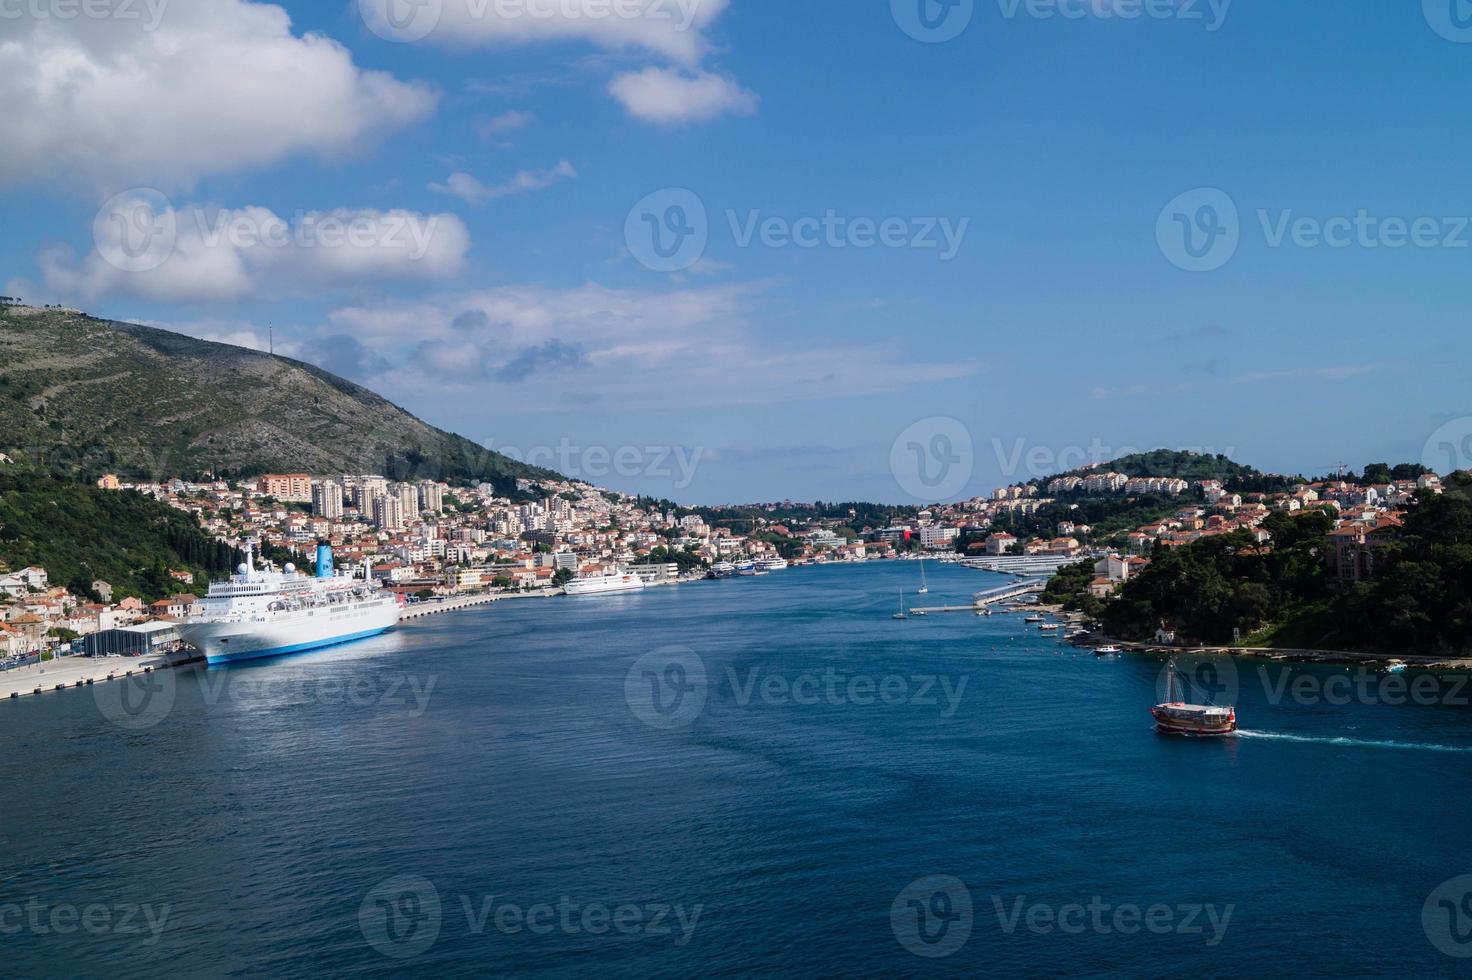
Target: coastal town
point(429, 541)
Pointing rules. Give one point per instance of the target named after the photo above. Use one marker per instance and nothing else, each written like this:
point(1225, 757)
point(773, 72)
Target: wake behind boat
point(265, 613)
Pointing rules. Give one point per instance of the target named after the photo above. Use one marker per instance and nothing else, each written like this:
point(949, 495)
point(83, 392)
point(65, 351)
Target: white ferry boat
point(602, 584)
point(265, 613)
point(723, 569)
point(771, 564)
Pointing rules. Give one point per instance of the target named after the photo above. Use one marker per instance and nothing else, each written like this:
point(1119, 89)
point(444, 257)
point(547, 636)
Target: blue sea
point(759, 776)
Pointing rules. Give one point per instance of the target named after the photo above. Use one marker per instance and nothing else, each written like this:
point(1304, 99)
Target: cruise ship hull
point(232, 642)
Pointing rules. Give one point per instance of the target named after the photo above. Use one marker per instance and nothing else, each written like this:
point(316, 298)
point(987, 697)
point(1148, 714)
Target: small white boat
point(1034, 618)
point(1105, 651)
point(924, 588)
point(901, 613)
point(1050, 627)
point(1395, 666)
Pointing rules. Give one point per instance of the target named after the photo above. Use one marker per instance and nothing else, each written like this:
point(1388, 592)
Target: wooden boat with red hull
point(1192, 720)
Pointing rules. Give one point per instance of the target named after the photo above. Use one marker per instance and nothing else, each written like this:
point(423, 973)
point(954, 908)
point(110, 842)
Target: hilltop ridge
point(81, 396)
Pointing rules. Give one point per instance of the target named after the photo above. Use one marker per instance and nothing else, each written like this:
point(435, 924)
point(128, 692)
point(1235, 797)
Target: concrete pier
point(69, 672)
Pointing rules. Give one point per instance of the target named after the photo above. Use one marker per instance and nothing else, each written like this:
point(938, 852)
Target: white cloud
point(616, 341)
point(506, 122)
point(146, 248)
point(671, 28)
point(668, 96)
point(217, 86)
point(473, 192)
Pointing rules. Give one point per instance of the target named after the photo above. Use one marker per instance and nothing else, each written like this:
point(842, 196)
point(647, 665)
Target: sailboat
point(901, 613)
point(924, 588)
point(1197, 720)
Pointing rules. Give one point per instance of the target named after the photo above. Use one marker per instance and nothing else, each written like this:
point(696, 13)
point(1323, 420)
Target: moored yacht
point(615, 581)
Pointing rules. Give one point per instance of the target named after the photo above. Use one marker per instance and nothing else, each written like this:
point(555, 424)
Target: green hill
point(81, 396)
point(56, 525)
point(1174, 463)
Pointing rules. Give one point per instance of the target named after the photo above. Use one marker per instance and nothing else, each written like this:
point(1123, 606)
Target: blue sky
point(1060, 154)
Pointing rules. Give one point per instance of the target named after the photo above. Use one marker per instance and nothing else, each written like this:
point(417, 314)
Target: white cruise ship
point(601, 584)
point(771, 564)
point(263, 613)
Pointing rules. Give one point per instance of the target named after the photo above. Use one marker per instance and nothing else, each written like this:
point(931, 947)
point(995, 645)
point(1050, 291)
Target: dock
point(990, 597)
point(63, 673)
point(1004, 593)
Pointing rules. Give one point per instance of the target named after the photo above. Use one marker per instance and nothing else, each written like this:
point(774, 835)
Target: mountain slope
point(85, 396)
